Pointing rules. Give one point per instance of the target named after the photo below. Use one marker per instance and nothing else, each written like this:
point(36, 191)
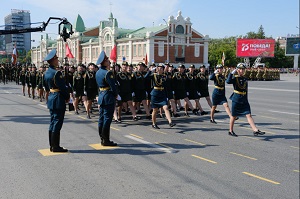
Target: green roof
point(79, 24)
point(141, 32)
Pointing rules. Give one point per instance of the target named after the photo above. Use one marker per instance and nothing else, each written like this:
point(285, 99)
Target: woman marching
point(158, 94)
point(240, 104)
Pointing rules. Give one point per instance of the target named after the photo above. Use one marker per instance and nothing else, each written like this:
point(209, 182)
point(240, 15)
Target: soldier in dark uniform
point(78, 86)
point(28, 81)
point(138, 88)
point(218, 95)
point(40, 82)
point(33, 78)
point(180, 90)
point(202, 85)
point(158, 94)
point(56, 101)
point(106, 99)
point(22, 77)
point(240, 104)
point(168, 71)
point(91, 87)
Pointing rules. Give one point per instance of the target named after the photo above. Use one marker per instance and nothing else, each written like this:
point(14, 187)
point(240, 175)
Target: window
point(179, 29)
point(134, 50)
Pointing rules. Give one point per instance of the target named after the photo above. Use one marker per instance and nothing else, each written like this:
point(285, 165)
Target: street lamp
point(167, 40)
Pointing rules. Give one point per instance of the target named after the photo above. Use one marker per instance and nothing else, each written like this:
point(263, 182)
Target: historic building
point(174, 42)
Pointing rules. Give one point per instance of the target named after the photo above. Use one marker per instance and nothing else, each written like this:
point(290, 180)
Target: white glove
point(187, 93)
point(216, 71)
point(84, 92)
point(234, 71)
point(167, 99)
point(74, 92)
point(133, 94)
point(173, 92)
point(153, 69)
point(119, 98)
point(198, 93)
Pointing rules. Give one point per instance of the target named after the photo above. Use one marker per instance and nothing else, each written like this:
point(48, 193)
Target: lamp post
point(167, 40)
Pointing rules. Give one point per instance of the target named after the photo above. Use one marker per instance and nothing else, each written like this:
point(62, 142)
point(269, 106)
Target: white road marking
point(167, 150)
point(284, 112)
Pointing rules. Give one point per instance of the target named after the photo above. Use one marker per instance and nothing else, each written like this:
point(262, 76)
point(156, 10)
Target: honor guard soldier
point(78, 86)
point(28, 81)
point(239, 97)
point(91, 87)
point(22, 77)
point(106, 99)
point(57, 100)
point(169, 89)
point(33, 78)
point(218, 95)
point(40, 82)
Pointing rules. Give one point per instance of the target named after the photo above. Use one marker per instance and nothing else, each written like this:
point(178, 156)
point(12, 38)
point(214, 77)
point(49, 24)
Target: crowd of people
point(141, 91)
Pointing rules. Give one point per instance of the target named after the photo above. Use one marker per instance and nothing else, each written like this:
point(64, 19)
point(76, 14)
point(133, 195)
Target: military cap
point(101, 57)
point(161, 65)
point(219, 66)
point(202, 66)
point(192, 66)
point(125, 63)
point(141, 64)
point(171, 65)
point(167, 64)
point(50, 55)
point(181, 66)
point(240, 66)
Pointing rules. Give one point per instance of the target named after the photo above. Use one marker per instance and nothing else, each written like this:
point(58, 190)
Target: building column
point(205, 53)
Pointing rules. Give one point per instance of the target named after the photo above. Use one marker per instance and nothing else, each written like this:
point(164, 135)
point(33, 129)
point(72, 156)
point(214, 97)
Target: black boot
point(106, 140)
point(50, 142)
point(100, 133)
point(55, 138)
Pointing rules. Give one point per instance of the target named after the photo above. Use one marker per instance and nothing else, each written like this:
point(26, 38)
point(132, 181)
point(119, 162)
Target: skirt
point(240, 109)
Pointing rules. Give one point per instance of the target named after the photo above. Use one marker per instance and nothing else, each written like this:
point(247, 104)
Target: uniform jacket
point(55, 80)
point(240, 84)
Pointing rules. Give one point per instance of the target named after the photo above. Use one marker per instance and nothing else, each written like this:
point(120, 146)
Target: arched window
point(107, 37)
point(179, 29)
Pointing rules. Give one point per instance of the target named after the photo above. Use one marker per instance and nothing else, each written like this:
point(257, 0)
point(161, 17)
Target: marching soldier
point(168, 71)
point(106, 100)
point(78, 87)
point(22, 77)
point(33, 80)
point(56, 101)
point(40, 82)
point(91, 88)
point(28, 81)
point(240, 104)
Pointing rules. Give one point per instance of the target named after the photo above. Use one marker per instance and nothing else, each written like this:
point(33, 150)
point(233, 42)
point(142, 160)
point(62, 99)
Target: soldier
point(158, 94)
point(168, 71)
point(56, 102)
point(33, 80)
point(138, 88)
point(180, 91)
point(126, 93)
point(240, 104)
point(40, 82)
point(218, 96)
point(91, 88)
point(202, 82)
point(28, 81)
point(22, 77)
point(78, 86)
point(106, 99)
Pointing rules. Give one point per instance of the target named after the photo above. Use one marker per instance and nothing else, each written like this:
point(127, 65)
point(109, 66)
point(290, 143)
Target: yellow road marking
point(47, 152)
point(295, 147)
point(115, 128)
point(100, 147)
point(82, 117)
point(201, 158)
point(158, 131)
point(136, 136)
point(195, 142)
point(251, 138)
point(163, 145)
point(261, 178)
point(296, 171)
point(243, 156)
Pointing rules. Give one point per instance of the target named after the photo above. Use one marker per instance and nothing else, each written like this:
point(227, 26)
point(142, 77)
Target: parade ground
point(194, 159)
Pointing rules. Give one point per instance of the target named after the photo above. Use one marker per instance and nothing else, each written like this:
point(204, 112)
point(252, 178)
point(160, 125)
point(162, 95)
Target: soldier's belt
point(218, 87)
point(240, 93)
point(104, 88)
point(54, 90)
point(159, 88)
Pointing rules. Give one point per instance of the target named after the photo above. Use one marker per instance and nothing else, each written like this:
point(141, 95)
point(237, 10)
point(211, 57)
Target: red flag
point(113, 54)
point(223, 59)
point(14, 55)
point(146, 60)
point(68, 52)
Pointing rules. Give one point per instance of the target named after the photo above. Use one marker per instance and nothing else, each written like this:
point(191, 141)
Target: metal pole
point(167, 41)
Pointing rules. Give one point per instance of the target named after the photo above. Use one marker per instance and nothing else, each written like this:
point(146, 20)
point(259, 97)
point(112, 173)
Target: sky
point(216, 18)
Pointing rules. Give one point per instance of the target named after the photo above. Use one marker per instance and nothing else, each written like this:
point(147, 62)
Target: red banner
point(255, 47)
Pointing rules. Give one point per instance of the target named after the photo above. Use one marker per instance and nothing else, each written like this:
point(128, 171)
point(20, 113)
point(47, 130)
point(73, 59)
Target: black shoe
point(41, 100)
point(108, 143)
point(258, 132)
point(186, 114)
point(136, 118)
point(213, 121)
point(195, 111)
point(161, 116)
point(88, 117)
point(217, 111)
point(204, 113)
point(236, 118)
point(148, 117)
point(181, 108)
point(59, 149)
point(76, 112)
point(155, 126)
point(117, 121)
point(176, 115)
point(171, 124)
point(232, 134)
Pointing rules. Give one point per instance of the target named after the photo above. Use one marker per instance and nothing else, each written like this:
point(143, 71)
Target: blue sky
point(216, 18)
